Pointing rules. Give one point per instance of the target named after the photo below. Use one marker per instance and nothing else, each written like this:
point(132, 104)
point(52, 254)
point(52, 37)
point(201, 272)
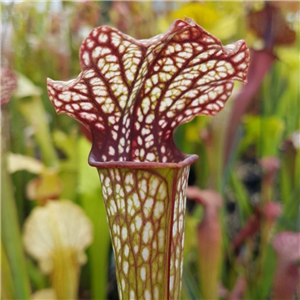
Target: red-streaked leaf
point(270, 165)
point(286, 279)
point(8, 84)
point(269, 214)
point(260, 63)
point(286, 245)
point(209, 199)
point(270, 25)
point(132, 94)
point(239, 289)
point(209, 238)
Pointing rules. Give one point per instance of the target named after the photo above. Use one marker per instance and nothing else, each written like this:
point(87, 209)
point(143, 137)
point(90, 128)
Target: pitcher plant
point(132, 95)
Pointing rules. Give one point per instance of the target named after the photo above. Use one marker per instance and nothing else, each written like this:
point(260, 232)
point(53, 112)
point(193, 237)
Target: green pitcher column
point(145, 211)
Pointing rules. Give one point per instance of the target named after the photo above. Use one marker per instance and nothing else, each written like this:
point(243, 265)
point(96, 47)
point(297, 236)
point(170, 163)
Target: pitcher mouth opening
point(187, 160)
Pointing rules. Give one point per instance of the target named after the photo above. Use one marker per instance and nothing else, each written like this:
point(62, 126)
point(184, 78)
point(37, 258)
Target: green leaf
point(241, 196)
point(7, 290)
point(26, 88)
point(93, 204)
point(264, 132)
point(11, 237)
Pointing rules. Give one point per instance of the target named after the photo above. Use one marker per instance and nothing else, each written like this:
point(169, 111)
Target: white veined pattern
point(146, 220)
point(132, 94)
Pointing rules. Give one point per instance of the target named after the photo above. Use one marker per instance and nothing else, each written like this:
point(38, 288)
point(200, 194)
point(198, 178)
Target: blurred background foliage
point(249, 153)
